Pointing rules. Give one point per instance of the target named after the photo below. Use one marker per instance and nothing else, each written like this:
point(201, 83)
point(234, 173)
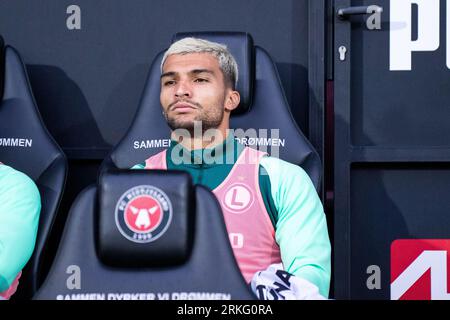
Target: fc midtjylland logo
point(143, 214)
point(419, 269)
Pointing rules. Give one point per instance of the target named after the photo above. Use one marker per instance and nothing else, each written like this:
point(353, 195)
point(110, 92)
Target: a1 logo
point(419, 269)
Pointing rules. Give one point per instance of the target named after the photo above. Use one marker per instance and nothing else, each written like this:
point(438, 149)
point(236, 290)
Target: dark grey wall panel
point(414, 98)
point(392, 140)
point(389, 202)
point(88, 82)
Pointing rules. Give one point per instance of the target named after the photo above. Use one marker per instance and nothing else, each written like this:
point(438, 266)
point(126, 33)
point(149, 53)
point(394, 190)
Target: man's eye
point(169, 83)
point(200, 80)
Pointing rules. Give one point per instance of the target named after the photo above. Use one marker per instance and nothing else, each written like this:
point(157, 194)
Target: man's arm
point(301, 228)
point(20, 207)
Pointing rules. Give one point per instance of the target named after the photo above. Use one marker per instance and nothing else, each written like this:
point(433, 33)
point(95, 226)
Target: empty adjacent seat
point(26, 145)
point(145, 235)
point(263, 109)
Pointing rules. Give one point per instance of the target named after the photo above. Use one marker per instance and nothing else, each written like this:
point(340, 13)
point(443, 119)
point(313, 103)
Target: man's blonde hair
point(227, 63)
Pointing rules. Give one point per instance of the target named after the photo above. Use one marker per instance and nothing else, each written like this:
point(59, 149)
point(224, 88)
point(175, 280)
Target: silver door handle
point(344, 13)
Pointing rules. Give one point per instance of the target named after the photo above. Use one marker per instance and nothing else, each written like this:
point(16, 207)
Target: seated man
point(20, 206)
point(272, 212)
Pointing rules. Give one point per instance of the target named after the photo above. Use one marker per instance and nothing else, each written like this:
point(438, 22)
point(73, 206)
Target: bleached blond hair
point(227, 63)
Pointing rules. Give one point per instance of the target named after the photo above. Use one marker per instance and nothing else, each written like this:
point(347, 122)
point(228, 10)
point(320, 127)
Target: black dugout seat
point(263, 106)
point(145, 235)
point(27, 146)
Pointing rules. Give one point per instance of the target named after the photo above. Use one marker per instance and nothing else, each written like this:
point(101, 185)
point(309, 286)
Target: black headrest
point(145, 219)
point(25, 142)
point(2, 67)
point(240, 44)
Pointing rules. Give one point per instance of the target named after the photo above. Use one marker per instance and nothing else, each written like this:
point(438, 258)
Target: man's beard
point(211, 120)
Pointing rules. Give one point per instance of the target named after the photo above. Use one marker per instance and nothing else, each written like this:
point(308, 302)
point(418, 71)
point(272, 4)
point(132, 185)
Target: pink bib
point(250, 230)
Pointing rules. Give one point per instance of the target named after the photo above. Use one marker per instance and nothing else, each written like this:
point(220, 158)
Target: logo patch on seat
point(143, 214)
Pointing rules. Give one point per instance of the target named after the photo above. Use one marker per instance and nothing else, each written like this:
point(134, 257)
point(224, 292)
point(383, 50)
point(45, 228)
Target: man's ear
point(232, 100)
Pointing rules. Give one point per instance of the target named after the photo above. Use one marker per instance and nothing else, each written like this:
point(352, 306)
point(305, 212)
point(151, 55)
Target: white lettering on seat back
point(16, 142)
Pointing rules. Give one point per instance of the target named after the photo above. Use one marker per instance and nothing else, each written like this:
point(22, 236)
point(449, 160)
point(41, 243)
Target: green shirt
point(20, 206)
point(290, 199)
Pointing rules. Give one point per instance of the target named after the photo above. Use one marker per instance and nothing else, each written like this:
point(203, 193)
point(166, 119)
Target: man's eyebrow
point(197, 71)
point(194, 71)
point(168, 74)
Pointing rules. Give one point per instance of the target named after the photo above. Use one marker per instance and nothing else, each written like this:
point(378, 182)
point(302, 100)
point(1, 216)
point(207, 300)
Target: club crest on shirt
point(238, 198)
point(143, 214)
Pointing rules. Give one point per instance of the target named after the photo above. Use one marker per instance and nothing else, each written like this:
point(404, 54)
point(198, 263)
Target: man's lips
point(183, 107)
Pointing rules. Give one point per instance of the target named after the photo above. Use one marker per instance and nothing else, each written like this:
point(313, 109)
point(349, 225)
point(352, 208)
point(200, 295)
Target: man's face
point(193, 89)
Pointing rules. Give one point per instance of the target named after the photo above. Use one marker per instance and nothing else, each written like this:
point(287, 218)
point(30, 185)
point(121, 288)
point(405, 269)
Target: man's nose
point(183, 90)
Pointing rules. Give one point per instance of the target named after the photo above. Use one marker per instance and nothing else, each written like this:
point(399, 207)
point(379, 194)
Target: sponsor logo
point(238, 198)
point(402, 42)
point(143, 214)
point(419, 269)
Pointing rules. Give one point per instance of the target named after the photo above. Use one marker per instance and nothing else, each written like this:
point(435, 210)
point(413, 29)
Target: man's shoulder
point(12, 181)
point(286, 177)
point(9, 175)
point(277, 166)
